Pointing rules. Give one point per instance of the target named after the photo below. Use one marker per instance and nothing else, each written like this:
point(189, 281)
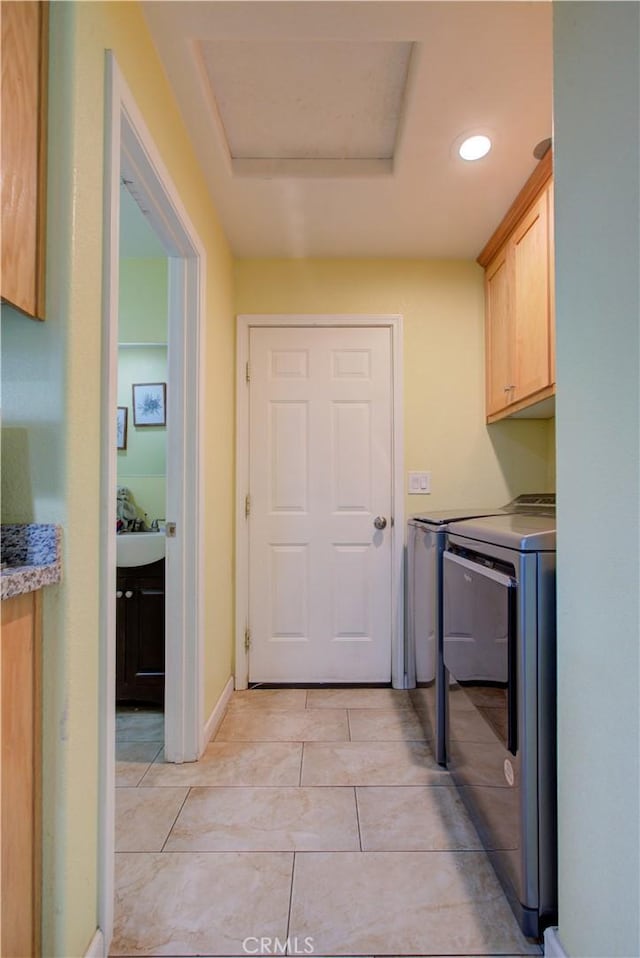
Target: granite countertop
point(31, 557)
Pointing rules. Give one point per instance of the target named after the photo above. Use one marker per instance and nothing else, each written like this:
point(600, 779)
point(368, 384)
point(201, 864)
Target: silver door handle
point(128, 594)
point(119, 594)
point(380, 522)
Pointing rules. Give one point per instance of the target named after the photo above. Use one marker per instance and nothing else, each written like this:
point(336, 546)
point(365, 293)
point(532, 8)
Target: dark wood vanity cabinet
point(140, 633)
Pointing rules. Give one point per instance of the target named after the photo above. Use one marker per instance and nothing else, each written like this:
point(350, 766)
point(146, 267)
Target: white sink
point(139, 548)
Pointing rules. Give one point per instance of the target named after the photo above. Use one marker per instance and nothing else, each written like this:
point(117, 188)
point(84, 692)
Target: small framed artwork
point(149, 404)
point(122, 427)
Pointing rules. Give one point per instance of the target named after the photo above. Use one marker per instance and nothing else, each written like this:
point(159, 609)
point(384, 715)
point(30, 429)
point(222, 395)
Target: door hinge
point(247, 373)
point(247, 639)
point(247, 506)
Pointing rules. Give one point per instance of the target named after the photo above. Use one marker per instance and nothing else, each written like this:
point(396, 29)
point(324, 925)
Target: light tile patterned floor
point(319, 817)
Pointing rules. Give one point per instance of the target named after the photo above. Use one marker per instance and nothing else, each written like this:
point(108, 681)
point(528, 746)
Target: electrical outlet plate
point(419, 483)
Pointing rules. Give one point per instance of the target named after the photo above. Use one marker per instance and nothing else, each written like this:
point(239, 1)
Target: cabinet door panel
point(498, 333)
point(140, 652)
point(552, 287)
point(24, 26)
point(149, 664)
point(531, 302)
point(121, 639)
point(20, 778)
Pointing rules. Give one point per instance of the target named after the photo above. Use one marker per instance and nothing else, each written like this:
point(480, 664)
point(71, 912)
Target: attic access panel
point(319, 106)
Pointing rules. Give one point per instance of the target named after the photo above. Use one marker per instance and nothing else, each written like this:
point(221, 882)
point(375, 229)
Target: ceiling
point(331, 128)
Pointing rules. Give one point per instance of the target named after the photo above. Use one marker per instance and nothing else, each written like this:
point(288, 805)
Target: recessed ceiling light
point(474, 147)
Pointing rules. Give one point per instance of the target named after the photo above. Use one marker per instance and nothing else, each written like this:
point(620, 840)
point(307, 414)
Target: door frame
point(245, 323)
point(131, 152)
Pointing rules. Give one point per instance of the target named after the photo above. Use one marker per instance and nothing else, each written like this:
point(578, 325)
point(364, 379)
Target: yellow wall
point(52, 405)
point(442, 306)
point(551, 454)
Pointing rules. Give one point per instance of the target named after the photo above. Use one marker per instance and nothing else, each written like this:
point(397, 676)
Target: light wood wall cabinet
point(519, 317)
point(23, 120)
point(20, 776)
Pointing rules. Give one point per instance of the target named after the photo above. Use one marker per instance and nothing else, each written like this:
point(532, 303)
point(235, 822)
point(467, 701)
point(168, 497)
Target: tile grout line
point(149, 764)
point(355, 798)
point(164, 844)
point(293, 872)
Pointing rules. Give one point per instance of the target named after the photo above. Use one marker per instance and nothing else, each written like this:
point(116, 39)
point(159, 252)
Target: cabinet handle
point(119, 594)
point(128, 594)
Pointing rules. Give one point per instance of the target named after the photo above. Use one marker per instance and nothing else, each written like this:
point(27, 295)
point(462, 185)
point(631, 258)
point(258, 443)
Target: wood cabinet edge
point(37, 773)
point(515, 407)
point(43, 114)
point(525, 198)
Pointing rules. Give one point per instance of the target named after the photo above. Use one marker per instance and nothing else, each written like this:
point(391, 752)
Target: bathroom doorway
point(133, 159)
point(143, 306)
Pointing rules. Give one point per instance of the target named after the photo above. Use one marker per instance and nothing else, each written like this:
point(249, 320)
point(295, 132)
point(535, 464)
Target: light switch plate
point(419, 483)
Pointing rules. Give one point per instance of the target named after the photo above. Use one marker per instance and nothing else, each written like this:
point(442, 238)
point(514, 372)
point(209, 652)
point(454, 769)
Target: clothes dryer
point(499, 642)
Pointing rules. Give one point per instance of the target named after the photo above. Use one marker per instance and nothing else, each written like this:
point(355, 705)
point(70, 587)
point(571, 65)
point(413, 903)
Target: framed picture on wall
point(149, 404)
point(122, 427)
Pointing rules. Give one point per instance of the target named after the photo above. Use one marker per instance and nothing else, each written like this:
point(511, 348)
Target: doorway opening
point(132, 158)
point(141, 486)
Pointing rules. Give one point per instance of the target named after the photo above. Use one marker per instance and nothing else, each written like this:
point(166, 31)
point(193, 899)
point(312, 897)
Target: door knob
point(128, 594)
point(119, 594)
point(380, 522)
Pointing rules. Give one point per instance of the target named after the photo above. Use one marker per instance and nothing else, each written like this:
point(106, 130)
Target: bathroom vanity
point(140, 633)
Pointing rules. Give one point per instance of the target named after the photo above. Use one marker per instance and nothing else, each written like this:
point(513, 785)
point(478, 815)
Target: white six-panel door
point(320, 434)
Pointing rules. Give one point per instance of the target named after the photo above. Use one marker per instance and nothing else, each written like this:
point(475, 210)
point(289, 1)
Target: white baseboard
point(96, 948)
point(214, 720)
point(552, 944)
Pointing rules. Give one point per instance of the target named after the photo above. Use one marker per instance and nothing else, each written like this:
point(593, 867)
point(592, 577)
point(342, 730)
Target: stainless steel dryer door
point(479, 642)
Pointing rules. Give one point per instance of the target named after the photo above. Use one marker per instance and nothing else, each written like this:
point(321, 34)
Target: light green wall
point(443, 311)
point(142, 466)
point(596, 110)
point(51, 410)
point(142, 318)
point(143, 300)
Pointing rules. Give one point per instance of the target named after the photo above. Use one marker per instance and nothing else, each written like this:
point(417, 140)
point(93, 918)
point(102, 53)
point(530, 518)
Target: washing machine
point(424, 667)
point(425, 673)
